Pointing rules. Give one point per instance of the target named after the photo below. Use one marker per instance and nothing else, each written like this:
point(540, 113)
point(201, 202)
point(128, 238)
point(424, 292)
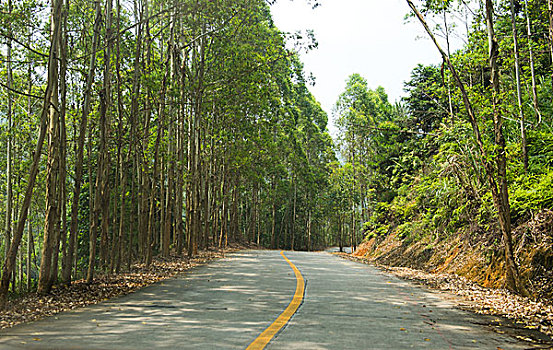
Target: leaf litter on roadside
point(32, 307)
point(530, 314)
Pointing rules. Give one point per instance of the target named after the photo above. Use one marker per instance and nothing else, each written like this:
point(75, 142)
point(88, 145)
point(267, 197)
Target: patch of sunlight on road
point(453, 327)
point(239, 289)
point(303, 345)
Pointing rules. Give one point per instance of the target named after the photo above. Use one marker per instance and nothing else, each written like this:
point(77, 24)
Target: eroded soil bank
point(470, 265)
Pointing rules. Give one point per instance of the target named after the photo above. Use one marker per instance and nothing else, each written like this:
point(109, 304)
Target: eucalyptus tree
point(524, 142)
point(362, 118)
point(529, 38)
point(47, 111)
point(9, 131)
point(178, 114)
point(54, 178)
point(68, 258)
point(497, 178)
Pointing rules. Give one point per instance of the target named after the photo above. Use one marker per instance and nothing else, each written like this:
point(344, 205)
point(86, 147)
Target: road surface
point(228, 303)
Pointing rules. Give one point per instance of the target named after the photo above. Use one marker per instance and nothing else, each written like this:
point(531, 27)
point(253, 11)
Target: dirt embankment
point(471, 265)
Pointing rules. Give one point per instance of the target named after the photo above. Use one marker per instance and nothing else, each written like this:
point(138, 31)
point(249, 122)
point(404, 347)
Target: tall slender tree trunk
point(273, 215)
point(532, 64)
point(309, 231)
point(30, 244)
point(61, 229)
point(9, 180)
point(550, 10)
point(253, 217)
point(235, 229)
point(341, 232)
point(52, 169)
point(181, 153)
point(150, 232)
point(448, 45)
point(99, 188)
point(194, 149)
point(118, 242)
point(136, 184)
point(205, 202)
point(504, 212)
point(160, 129)
point(524, 145)
point(168, 212)
point(105, 134)
point(352, 229)
point(101, 197)
point(92, 224)
point(293, 221)
point(222, 190)
point(180, 183)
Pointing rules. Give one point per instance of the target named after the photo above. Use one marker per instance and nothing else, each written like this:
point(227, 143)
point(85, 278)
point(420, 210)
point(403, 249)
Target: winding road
point(271, 300)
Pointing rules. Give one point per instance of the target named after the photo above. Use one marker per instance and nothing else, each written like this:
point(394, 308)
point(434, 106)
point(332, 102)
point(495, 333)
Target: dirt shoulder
point(525, 318)
point(31, 307)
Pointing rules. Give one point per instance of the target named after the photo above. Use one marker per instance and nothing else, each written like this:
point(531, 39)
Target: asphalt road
point(228, 303)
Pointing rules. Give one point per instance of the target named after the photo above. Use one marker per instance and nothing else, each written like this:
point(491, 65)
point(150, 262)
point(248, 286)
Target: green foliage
point(431, 182)
point(530, 194)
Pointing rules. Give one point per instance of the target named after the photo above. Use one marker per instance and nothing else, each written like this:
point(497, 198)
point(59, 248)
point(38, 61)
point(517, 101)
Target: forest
point(458, 175)
point(140, 129)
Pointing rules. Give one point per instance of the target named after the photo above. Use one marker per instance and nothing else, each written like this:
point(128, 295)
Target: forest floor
point(31, 306)
point(516, 312)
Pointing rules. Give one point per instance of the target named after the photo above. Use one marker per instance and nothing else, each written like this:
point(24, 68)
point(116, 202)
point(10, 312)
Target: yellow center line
point(269, 333)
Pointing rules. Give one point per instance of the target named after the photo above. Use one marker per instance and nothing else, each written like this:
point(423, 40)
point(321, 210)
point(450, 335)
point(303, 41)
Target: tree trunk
point(293, 221)
point(532, 65)
point(105, 110)
point(101, 197)
point(155, 170)
point(167, 219)
point(550, 10)
point(234, 231)
point(29, 254)
point(136, 184)
point(500, 197)
point(9, 190)
point(91, 204)
point(519, 90)
point(309, 231)
point(61, 229)
point(341, 234)
point(273, 215)
point(52, 169)
point(118, 244)
point(253, 218)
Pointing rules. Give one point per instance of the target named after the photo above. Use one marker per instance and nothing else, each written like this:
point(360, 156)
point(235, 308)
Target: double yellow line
point(264, 338)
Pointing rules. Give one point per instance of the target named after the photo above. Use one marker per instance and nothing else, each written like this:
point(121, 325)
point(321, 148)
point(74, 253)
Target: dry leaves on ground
point(33, 307)
point(500, 302)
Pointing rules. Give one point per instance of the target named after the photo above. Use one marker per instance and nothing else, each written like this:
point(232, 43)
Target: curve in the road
point(265, 337)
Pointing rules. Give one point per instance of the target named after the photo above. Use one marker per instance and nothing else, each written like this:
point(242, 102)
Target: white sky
point(369, 37)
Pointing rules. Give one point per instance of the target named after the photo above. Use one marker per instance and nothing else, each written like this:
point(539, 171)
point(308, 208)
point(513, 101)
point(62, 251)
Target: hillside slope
point(474, 256)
